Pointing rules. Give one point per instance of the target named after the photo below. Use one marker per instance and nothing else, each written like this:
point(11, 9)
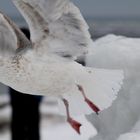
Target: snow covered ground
point(118, 52)
point(119, 122)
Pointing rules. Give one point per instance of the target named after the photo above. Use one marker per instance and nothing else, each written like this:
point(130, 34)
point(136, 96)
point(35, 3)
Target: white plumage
point(46, 66)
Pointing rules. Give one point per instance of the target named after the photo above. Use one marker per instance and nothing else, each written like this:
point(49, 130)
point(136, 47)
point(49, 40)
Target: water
point(129, 27)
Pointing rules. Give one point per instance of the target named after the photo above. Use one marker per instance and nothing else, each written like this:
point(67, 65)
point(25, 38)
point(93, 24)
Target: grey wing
point(59, 22)
point(11, 38)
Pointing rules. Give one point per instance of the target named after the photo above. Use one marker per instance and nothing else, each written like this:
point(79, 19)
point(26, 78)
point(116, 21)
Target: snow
point(64, 131)
point(55, 127)
point(122, 53)
point(134, 134)
point(130, 136)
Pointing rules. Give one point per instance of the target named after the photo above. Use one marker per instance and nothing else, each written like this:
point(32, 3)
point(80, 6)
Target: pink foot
point(74, 124)
point(90, 103)
point(92, 106)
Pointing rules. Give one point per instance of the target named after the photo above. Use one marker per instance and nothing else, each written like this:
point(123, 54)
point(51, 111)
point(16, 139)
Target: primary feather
point(59, 22)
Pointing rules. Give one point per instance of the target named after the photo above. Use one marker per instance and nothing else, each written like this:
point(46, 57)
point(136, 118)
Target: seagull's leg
point(76, 125)
point(90, 103)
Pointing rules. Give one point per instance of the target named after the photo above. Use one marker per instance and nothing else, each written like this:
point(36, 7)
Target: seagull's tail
point(100, 89)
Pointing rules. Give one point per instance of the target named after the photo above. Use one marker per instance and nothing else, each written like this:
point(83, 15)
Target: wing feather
point(11, 38)
point(66, 28)
point(8, 39)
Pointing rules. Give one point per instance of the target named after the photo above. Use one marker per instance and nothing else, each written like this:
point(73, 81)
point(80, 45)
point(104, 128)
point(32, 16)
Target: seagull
point(47, 65)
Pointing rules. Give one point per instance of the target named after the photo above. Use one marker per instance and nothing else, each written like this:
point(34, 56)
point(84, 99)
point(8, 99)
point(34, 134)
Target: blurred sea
point(128, 26)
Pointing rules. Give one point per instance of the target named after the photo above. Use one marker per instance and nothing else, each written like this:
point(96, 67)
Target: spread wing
point(11, 38)
point(57, 21)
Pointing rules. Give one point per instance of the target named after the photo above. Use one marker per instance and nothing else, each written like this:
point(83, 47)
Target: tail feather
point(101, 87)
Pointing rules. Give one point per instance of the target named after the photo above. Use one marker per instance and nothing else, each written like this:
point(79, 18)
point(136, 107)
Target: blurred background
point(108, 16)
point(121, 17)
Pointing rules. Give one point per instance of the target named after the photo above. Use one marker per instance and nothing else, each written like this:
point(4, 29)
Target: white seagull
point(46, 65)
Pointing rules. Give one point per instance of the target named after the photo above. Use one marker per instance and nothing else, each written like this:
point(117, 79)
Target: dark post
point(25, 114)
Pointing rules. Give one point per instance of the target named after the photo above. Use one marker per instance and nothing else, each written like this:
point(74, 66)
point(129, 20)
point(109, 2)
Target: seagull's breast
point(40, 76)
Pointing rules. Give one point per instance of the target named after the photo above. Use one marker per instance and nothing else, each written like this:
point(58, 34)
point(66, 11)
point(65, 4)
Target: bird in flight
point(47, 65)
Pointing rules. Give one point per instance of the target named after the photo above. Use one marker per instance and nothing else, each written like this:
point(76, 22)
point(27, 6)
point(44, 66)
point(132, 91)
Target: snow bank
point(118, 52)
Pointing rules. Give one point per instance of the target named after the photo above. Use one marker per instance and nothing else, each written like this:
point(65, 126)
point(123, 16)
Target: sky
point(92, 8)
